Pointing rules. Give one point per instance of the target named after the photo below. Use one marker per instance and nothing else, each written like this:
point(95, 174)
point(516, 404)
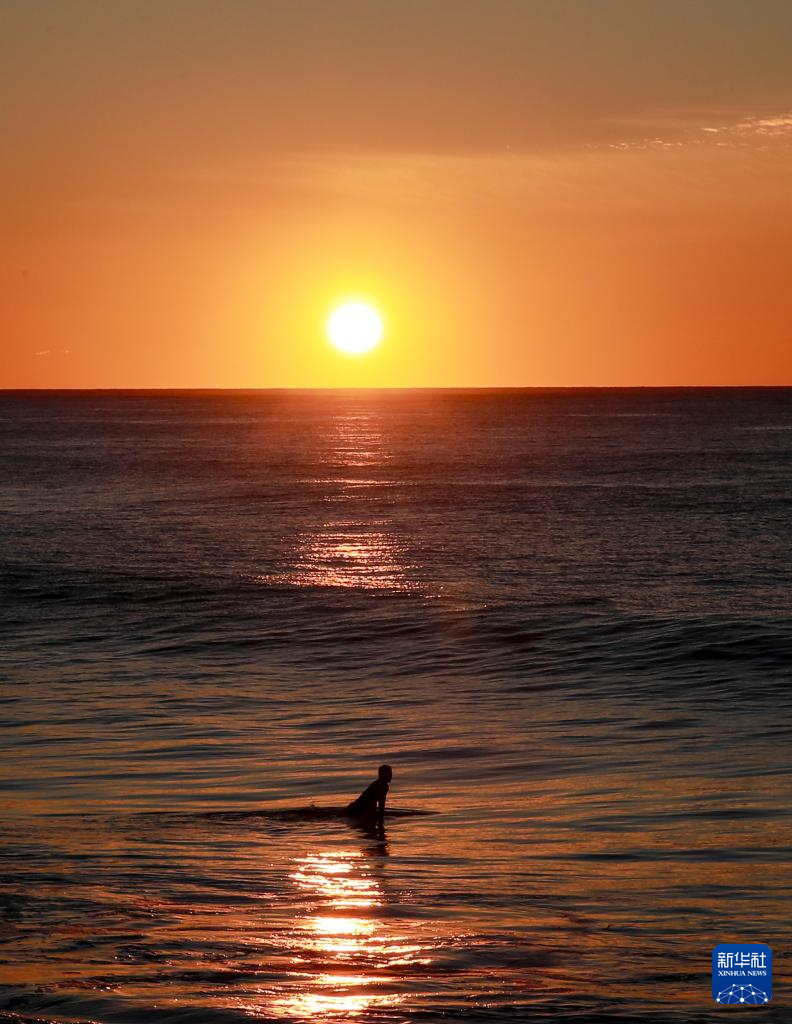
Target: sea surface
point(563, 617)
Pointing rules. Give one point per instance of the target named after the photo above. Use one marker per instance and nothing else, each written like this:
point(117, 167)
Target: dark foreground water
point(564, 619)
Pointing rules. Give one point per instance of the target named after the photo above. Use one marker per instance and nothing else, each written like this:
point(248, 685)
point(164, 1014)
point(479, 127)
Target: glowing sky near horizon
point(538, 193)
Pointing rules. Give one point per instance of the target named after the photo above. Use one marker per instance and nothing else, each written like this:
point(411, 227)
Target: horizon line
point(432, 388)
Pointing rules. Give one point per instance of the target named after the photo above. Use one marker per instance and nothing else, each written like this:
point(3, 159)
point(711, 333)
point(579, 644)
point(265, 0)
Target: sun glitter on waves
point(355, 328)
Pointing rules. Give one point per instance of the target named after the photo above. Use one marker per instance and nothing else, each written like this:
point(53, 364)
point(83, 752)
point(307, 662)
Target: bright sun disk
point(355, 328)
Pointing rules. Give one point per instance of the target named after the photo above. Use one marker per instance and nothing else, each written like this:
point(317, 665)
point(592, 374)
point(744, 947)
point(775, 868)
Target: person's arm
point(381, 807)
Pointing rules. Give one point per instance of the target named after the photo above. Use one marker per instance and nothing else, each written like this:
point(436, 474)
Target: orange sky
point(533, 193)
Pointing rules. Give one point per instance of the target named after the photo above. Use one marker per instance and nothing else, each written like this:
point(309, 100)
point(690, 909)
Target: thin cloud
point(735, 131)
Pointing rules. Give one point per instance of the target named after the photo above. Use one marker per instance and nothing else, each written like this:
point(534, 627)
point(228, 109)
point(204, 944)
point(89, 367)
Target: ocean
point(563, 617)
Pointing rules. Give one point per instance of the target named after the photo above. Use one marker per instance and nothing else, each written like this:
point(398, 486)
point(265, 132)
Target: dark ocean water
point(563, 617)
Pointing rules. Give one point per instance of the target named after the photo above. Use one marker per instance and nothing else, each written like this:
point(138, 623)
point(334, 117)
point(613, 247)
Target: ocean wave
point(224, 621)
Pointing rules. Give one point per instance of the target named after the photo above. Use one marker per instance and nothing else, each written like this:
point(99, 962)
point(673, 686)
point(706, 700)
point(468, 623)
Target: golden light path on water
point(361, 956)
point(349, 547)
point(351, 558)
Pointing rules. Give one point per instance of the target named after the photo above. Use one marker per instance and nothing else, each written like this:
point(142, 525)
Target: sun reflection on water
point(344, 964)
point(351, 555)
point(355, 544)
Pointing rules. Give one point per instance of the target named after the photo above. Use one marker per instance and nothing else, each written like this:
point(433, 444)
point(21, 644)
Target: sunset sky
point(534, 193)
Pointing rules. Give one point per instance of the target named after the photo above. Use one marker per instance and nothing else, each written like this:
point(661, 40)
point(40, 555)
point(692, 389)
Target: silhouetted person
point(371, 802)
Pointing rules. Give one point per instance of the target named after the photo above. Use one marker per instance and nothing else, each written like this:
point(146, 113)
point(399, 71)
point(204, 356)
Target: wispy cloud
point(776, 127)
point(700, 129)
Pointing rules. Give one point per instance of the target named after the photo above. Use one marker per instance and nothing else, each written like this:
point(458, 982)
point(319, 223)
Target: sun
point(355, 328)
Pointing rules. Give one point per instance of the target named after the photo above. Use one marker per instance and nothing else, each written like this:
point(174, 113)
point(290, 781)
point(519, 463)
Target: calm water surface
point(564, 618)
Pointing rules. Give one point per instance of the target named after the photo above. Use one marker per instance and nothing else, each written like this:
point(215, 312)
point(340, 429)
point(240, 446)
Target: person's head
point(385, 772)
